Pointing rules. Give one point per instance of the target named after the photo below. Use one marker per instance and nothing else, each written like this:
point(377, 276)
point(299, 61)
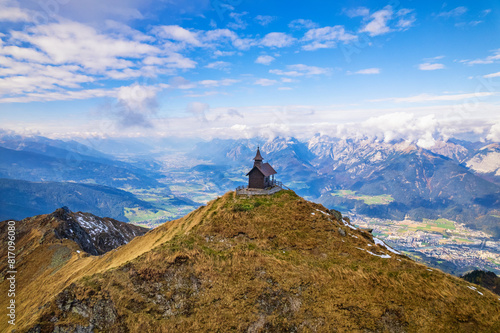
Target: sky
point(421, 71)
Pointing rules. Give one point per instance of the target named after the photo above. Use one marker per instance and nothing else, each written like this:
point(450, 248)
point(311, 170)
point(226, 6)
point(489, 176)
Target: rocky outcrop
point(95, 235)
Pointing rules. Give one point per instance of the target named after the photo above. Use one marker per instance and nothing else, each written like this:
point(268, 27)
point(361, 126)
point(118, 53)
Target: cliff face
point(93, 234)
point(260, 264)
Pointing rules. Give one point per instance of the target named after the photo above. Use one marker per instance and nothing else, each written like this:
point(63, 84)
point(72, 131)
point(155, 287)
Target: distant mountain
point(60, 165)
point(140, 147)
point(260, 264)
point(486, 162)
point(420, 183)
point(21, 199)
point(225, 151)
point(49, 147)
point(459, 151)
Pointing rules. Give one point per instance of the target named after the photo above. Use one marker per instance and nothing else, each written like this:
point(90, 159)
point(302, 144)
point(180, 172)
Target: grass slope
point(257, 264)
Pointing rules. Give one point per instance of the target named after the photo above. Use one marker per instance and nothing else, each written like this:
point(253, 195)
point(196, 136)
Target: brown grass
point(259, 264)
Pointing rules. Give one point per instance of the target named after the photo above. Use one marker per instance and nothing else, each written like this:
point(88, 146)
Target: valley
point(444, 244)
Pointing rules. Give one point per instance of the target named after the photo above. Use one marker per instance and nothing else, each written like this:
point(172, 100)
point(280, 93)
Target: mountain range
point(457, 180)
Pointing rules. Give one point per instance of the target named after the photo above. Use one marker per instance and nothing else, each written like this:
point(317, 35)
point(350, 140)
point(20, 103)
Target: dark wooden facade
point(262, 174)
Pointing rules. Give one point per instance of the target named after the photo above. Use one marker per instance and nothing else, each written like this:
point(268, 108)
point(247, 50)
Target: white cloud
point(368, 71)
point(300, 70)
point(459, 11)
point(21, 77)
point(121, 30)
point(326, 37)
point(56, 60)
point(222, 65)
point(264, 60)
point(492, 75)
point(434, 58)
point(203, 94)
point(378, 24)
point(222, 36)
point(136, 103)
point(218, 83)
point(10, 12)
point(485, 12)
point(219, 53)
point(277, 39)
point(488, 60)
point(24, 53)
point(72, 42)
point(302, 24)
point(359, 11)
point(265, 82)
point(60, 96)
point(402, 125)
point(385, 20)
point(494, 132)
point(435, 98)
point(177, 33)
point(264, 19)
point(406, 19)
point(238, 21)
point(179, 82)
point(174, 60)
point(199, 110)
point(430, 66)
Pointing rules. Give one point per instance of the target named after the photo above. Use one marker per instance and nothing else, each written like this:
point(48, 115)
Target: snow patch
point(381, 243)
point(349, 225)
point(385, 256)
point(91, 225)
point(322, 212)
point(485, 163)
point(475, 289)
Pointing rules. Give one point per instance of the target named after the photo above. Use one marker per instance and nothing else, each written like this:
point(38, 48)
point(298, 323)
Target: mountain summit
point(253, 264)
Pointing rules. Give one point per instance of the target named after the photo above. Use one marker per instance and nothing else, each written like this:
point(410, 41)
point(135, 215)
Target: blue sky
point(418, 70)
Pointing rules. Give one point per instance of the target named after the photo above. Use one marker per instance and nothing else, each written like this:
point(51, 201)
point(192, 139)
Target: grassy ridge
point(275, 263)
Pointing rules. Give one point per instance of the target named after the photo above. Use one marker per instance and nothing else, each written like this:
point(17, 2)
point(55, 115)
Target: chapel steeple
point(258, 158)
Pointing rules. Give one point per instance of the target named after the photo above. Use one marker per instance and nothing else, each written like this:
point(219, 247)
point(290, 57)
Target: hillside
point(59, 165)
point(23, 199)
point(488, 280)
point(425, 185)
point(276, 263)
